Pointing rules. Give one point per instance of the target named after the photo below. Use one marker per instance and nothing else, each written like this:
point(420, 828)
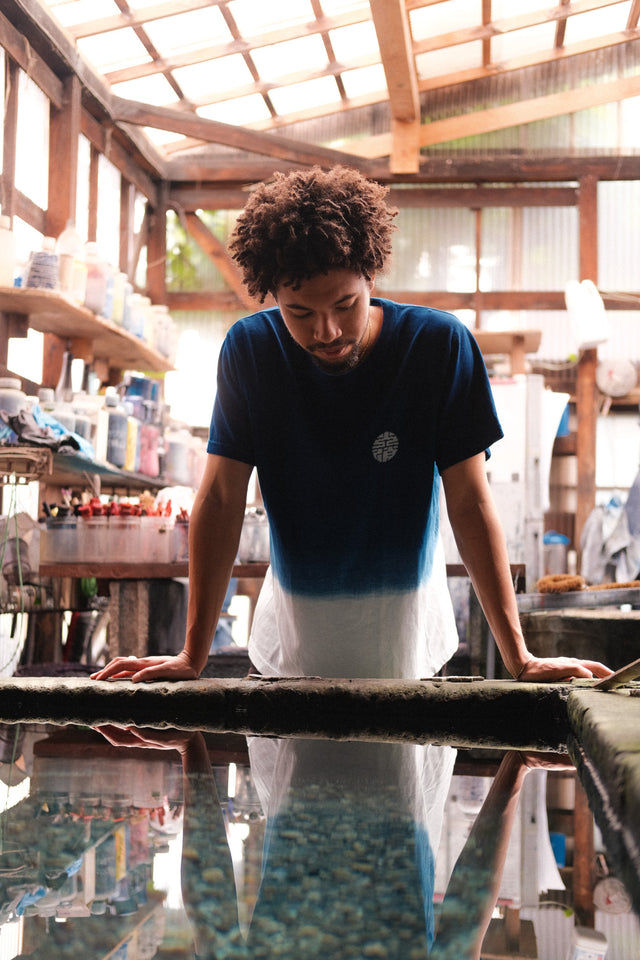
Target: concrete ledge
point(605, 746)
point(463, 713)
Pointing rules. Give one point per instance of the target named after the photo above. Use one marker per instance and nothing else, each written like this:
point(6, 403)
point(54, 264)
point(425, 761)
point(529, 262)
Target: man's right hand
point(139, 669)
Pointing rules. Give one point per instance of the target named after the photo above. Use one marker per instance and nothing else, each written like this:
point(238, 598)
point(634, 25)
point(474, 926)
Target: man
point(353, 409)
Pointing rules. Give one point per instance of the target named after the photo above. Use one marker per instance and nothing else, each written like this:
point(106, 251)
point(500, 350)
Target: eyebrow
point(302, 306)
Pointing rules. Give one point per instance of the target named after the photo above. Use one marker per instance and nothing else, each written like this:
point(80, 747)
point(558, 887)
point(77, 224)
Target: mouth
point(331, 351)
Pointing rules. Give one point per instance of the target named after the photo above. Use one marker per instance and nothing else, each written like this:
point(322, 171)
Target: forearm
point(474, 885)
point(214, 534)
point(483, 551)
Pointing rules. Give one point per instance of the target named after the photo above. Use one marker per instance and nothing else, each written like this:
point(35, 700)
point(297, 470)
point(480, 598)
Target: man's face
point(328, 316)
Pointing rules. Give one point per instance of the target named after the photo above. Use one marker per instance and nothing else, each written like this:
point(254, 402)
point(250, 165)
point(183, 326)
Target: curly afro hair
point(309, 222)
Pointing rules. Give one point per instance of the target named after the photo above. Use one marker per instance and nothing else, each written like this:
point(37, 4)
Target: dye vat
point(175, 841)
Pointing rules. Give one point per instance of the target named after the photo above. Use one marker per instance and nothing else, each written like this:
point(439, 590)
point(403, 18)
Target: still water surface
point(133, 844)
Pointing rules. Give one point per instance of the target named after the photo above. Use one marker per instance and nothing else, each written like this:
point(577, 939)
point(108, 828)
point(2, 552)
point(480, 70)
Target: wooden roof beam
point(191, 197)
point(217, 253)
point(189, 58)
point(634, 15)
point(511, 115)
point(137, 18)
point(394, 40)
point(561, 27)
point(510, 24)
point(212, 131)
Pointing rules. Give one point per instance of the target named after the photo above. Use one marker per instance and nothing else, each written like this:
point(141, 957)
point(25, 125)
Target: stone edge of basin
point(604, 744)
point(459, 712)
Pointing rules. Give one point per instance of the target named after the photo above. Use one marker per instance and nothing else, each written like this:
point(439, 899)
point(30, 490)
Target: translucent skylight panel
point(358, 40)
point(293, 56)
point(444, 18)
point(162, 137)
point(437, 63)
point(201, 79)
point(118, 48)
point(332, 7)
point(365, 81)
point(154, 89)
point(597, 23)
point(505, 9)
point(188, 31)
point(254, 17)
point(305, 96)
point(518, 43)
point(81, 11)
point(240, 110)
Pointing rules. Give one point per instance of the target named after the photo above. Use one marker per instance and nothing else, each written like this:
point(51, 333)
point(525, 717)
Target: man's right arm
point(214, 535)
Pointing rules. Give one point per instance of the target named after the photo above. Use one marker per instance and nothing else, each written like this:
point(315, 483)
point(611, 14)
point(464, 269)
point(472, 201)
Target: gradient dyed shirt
point(349, 468)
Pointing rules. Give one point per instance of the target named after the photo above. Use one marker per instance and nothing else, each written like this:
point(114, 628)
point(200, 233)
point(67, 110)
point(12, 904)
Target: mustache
point(340, 342)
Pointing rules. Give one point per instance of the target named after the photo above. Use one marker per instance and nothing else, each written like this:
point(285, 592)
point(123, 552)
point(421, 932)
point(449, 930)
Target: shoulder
point(256, 325)
point(421, 324)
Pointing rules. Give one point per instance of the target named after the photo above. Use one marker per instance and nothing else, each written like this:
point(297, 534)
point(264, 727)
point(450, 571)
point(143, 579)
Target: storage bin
point(156, 539)
point(123, 540)
point(59, 542)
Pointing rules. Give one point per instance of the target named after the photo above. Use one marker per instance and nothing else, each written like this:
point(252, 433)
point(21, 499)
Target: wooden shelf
point(139, 571)
point(51, 312)
point(512, 343)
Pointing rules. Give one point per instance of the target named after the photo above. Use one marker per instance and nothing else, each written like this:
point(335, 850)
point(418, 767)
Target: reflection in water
point(319, 849)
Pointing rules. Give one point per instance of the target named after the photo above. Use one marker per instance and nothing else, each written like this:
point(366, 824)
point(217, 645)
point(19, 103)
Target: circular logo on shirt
point(385, 446)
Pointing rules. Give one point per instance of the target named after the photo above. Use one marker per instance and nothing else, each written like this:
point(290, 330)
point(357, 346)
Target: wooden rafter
point(394, 40)
point(137, 18)
point(192, 57)
point(165, 118)
point(511, 24)
point(510, 115)
point(217, 253)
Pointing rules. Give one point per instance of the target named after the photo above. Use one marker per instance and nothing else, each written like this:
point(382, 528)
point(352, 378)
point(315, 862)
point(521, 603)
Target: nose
point(326, 328)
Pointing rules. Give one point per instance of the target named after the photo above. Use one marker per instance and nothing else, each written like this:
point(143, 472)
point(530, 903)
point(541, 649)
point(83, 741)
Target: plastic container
point(177, 445)
point(254, 538)
point(117, 429)
point(180, 541)
point(554, 552)
point(97, 273)
point(12, 397)
point(59, 541)
point(73, 269)
point(124, 539)
point(95, 539)
point(42, 270)
point(156, 539)
point(149, 462)
point(7, 252)
point(587, 944)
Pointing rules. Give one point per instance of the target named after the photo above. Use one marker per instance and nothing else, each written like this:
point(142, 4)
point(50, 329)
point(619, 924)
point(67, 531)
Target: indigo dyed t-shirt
point(349, 468)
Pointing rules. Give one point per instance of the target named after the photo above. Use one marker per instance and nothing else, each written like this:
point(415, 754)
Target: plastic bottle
point(117, 309)
point(64, 388)
point(43, 267)
point(96, 285)
point(73, 270)
point(12, 397)
point(132, 459)
point(117, 429)
point(7, 252)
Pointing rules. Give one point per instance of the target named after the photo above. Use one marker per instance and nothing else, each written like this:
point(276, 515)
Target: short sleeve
point(468, 423)
point(230, 428)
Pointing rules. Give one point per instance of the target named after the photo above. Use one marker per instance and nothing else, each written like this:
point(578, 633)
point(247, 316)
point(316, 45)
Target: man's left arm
point(480, 539)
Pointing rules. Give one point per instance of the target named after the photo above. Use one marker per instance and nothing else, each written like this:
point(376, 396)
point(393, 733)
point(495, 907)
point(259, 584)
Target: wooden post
point(586, 391)
point(64, 131)
point(157, 248)
point(583, 860)
point(10, 133)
